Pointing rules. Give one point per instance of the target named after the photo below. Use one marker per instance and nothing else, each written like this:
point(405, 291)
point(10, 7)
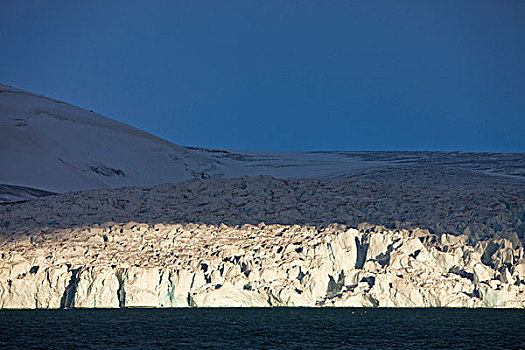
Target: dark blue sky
point(296, 75)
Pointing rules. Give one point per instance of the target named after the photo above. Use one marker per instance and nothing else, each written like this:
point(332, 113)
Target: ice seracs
point(291, 266)
point(268, 242)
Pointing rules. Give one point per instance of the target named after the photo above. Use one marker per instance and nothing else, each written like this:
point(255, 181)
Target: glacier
point(262, 241)
point(95, 213)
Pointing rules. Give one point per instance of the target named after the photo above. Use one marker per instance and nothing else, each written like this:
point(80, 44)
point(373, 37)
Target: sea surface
point(269, 328)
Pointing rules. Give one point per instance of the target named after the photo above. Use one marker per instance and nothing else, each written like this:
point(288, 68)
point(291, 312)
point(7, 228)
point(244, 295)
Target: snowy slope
point(52, 146)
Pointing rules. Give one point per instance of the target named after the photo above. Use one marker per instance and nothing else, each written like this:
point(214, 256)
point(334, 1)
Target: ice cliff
point(440, 238)
point(137, 265)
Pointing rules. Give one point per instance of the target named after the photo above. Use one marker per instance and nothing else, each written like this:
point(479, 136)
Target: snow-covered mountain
point(52, 146)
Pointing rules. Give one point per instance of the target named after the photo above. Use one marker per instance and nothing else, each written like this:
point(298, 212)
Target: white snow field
point(142, 222)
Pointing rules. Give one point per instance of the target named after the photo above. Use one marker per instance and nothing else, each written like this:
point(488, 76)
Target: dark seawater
point(274, 328)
